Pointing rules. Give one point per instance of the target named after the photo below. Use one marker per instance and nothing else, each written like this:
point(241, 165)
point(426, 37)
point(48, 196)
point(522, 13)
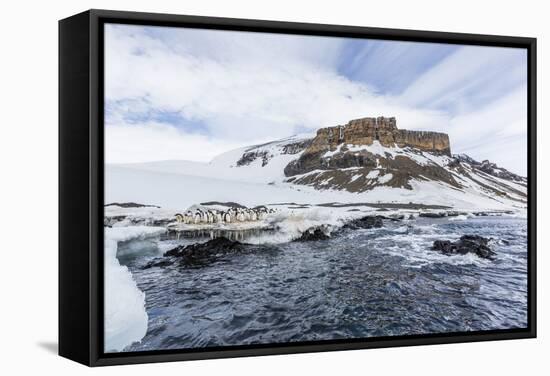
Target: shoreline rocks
point(475, 244)
point(199, 254)
point(368, 222)
point(312, 235)
point(441, 214)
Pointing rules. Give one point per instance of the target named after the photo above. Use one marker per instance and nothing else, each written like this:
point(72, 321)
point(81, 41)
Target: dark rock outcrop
point(489, 168)
point(442, 214)
point(475, 244)
point(366, 130)
point(312, 235)
point(260, 152)
point(368, 222)
point(249, 157)
point(296, 147)
point(334, 159)
point(362, 132)
point(200, 254)
point(432, 215)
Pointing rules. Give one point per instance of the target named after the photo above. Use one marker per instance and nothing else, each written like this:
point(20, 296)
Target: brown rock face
point(366, 130)
point(362, 132)
point(427, 141)
point(331, 161)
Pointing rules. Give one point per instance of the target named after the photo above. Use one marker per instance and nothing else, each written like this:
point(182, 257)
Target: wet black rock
point(368, 222)
point(496, 213)
point(432, 215)
point(199, 254)
point(442, 214)
point(159, 262)
point(312, 235)
point(466, 244)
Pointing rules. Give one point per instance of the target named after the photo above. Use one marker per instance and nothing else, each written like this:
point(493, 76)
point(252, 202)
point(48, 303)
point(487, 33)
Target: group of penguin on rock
point(231, 215)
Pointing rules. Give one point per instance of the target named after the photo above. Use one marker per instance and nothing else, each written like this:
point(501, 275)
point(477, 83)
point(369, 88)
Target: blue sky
point(174, 93)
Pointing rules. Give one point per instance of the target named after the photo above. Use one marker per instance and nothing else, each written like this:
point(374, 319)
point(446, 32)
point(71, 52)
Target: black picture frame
point(81, 185)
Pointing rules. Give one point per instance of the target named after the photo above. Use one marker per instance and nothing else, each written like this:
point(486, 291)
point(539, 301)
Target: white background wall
point(28, 188)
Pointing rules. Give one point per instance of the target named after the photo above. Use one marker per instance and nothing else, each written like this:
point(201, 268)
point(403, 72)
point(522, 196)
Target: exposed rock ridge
point(333, 150)
point(491, 169)
point(258, 152)
point(366, 130)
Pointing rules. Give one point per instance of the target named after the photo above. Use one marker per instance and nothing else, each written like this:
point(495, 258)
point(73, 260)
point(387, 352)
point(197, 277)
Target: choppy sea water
point(363, 283)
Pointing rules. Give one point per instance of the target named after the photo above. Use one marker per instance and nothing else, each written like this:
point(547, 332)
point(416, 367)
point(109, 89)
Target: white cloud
point(246, 87)
point(247, 97)
point(468, 78)
point(496, 132)
point(155, 142)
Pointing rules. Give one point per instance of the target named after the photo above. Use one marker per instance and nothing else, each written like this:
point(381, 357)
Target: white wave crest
point(291, 225)
point(415, 247)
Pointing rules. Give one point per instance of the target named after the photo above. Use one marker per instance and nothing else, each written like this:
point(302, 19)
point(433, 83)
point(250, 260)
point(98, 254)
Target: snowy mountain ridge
point(350, 173)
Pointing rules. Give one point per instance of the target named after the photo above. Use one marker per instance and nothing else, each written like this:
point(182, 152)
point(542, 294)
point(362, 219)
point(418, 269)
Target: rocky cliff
point(365, 131)
point(329, 148)
point(372, 155)
point(304, 167)
point(372, 152)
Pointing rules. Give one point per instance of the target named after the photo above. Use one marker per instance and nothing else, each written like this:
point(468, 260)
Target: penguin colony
point(230, 215)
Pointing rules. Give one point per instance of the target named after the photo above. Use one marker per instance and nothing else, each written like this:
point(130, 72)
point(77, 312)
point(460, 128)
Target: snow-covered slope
point(270, 173)
point(366, 168)
point(243, 165)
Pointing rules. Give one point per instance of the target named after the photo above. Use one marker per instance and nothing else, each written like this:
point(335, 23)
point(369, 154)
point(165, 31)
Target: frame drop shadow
point(51, 347)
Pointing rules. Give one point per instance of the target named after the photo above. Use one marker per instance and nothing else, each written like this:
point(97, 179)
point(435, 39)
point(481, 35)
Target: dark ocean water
point(364, 283)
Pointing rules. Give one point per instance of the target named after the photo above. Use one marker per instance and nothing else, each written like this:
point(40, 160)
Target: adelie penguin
point(231, 215)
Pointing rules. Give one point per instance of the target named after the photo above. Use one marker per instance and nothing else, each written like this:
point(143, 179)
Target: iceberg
point(125, 318)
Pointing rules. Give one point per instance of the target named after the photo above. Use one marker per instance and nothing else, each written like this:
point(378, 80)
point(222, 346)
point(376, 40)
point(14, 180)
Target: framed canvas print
point(238, 187)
